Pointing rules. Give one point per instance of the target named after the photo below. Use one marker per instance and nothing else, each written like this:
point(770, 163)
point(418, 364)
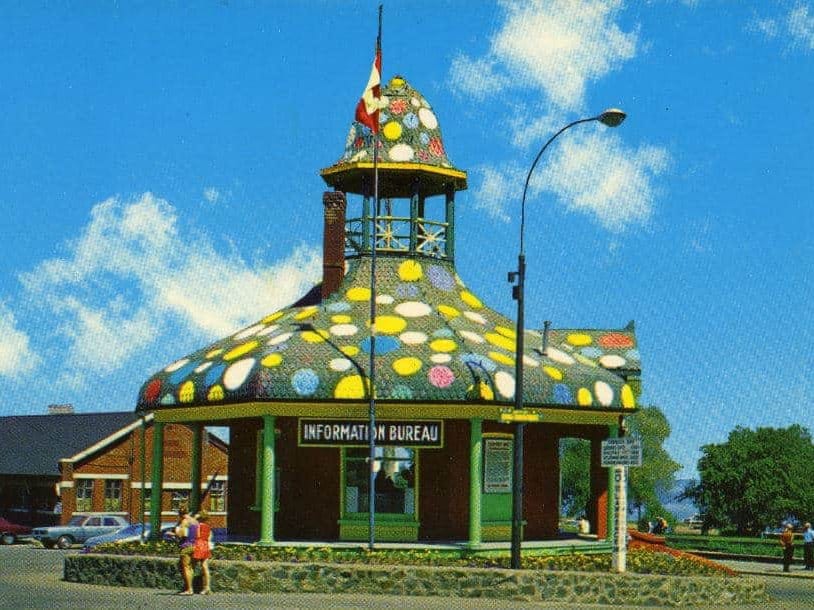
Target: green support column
point(450, 219)
point(414, 218)
point(613, 432)
point(157, 481)
point(195, 472)
point(475, 478)
point(267, 483)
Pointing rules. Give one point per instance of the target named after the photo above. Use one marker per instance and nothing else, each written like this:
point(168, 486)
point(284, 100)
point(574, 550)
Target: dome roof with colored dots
point(436, 342)
point(409, 140)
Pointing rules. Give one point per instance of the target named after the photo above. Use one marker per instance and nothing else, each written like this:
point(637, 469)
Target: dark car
point(78, 529)
point(11, 532)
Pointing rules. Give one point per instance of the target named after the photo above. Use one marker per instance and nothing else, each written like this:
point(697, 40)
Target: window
point(84, 495)
point(394, 483)
point(93, 522)
point(217, 497)
point(111, 521)
point(179, 499)
point(113, 495)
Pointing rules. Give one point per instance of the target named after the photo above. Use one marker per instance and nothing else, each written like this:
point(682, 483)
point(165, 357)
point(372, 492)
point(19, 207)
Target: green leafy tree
point(575, 462)
point(756, 478)
point(657, 472)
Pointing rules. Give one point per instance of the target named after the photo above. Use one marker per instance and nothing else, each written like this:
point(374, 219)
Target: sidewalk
point(765, 568)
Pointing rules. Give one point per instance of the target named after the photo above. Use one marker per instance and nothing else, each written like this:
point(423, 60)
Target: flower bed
point(642, 558)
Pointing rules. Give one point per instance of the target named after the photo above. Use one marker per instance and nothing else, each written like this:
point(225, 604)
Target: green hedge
point(766, 547)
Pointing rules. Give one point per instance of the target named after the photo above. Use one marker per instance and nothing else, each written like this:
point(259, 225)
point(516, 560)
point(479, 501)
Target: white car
point(78, 529)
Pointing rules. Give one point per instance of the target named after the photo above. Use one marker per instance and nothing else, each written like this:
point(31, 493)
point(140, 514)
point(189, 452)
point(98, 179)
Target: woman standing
point(787, 542)
point(203, 550)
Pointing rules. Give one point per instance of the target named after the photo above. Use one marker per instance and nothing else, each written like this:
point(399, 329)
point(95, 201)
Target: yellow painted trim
point(353, 410)
point(406, 167)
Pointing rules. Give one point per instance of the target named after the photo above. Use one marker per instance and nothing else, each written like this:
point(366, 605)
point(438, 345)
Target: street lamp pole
point(612, 118)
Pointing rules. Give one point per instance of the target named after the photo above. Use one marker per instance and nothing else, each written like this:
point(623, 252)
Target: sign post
point(619, 453)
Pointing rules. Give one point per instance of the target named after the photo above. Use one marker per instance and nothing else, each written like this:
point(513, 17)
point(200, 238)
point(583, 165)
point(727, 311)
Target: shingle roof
point(436, 342)
point(34, 444)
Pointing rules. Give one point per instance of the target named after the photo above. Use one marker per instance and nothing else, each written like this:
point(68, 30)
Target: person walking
point(186, 532)
point(808, 547)
point(203, 550)
point(787, 542)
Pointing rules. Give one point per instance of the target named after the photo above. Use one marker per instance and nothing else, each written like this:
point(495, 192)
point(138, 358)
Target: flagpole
point(372, 376)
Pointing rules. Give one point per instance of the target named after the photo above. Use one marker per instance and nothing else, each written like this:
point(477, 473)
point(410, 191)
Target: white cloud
point(476, 76)
point(593, 174)
point(16, 355)
point(135, 272)
point(211, 194)
point(796, 27)
point(801, 26)
point(768, 27)
point(597, 175)
point(497, 189)
point(557, 46)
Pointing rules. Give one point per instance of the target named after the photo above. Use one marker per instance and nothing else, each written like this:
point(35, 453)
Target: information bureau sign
point(356, 433)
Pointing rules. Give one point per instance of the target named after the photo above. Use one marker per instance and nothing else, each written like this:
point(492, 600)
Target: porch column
point(450, 220)
point(157, 480)
point(195, 472)
point(475, 478)
point(267, 483)
point(600, 484)
point(613, 432)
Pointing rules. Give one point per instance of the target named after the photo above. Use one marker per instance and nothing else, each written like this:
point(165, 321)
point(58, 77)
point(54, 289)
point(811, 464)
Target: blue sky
point(160, 183)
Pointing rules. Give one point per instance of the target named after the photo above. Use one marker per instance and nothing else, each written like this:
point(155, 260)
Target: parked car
point(11, 532)
point(78, 529)
point(131, 533)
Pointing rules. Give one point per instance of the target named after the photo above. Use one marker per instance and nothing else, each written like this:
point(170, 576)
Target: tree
point(657, 473)
point(756, 478)
point(575, 461)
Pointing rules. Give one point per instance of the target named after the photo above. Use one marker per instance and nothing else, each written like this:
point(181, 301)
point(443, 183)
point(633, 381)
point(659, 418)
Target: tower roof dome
point(409, 143)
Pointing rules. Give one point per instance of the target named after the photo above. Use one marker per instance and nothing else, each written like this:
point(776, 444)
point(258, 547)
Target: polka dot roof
point(436, 342)
point(409, 130)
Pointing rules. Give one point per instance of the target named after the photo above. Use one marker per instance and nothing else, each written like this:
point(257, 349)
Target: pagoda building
point(294, 388)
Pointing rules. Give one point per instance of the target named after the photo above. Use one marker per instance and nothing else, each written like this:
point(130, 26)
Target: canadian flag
point(367, 110)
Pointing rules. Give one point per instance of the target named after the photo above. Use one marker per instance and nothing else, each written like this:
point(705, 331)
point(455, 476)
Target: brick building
point(53, 466)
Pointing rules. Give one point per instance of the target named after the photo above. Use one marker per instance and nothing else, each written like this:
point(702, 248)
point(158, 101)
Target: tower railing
point(396, 234)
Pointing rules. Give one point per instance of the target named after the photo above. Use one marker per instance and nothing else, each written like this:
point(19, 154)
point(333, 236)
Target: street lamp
point(612, 118)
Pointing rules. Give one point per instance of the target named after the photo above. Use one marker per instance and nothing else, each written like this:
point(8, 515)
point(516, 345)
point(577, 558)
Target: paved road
point(32, 578)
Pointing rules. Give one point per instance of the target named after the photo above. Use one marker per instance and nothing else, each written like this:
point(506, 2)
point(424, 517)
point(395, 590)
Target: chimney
point(333, 241)
point(65, 409)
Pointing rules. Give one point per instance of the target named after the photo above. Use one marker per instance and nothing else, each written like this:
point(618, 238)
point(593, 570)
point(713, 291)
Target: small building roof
point(34, 444)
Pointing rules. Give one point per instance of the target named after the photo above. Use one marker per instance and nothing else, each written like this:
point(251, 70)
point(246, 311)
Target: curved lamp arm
point(612, 117)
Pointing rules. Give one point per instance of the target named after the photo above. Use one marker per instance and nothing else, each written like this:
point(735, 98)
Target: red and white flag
point(367, 110)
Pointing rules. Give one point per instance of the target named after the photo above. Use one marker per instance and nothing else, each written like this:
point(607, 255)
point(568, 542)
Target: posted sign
point(625, 451)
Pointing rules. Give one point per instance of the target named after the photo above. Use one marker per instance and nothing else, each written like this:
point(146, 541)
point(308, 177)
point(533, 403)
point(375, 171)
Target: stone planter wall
point(530, 585)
